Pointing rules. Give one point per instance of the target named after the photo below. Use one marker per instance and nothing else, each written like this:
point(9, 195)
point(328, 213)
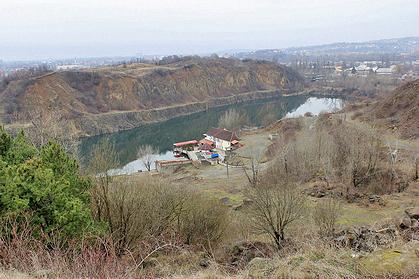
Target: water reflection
point(316, 106)
point(162, 135)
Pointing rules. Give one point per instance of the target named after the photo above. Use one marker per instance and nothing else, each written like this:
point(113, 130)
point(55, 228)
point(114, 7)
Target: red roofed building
point(181, 147)
point(184, 143)
point(205, 144)
point(223, 138)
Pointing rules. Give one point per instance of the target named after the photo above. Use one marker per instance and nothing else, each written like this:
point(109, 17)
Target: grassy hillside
point(400, 110)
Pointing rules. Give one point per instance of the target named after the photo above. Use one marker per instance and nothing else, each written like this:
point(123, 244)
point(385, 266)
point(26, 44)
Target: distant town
point(333, 71)
point(397, 59)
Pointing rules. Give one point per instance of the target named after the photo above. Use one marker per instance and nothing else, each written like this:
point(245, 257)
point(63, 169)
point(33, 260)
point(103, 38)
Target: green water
point(162, 135)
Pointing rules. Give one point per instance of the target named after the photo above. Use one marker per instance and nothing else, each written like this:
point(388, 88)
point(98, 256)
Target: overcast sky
point(38, 29)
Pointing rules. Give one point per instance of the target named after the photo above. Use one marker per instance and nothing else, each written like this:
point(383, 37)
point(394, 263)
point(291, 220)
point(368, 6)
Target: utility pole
point(227, 151)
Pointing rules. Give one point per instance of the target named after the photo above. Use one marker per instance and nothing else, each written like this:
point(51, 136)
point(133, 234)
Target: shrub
point(139, 211)
point(275, 205)
point(43, 258)
point(45, 184)
point(202, 221)
point(335, 152)
point(325, 215)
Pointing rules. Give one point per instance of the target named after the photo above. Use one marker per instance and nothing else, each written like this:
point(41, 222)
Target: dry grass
point(14, 275)
point(314, 258)
point(306, 256)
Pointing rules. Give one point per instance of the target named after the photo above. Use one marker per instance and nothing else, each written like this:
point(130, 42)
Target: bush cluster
point(44, 183)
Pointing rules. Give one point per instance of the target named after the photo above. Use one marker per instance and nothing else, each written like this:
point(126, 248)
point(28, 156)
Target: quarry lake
point(162, 135)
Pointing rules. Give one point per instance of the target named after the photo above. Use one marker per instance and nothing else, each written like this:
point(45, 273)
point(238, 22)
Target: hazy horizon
point(46, 29)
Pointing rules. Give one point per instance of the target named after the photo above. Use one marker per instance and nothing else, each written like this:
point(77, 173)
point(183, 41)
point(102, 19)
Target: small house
point(222, 139)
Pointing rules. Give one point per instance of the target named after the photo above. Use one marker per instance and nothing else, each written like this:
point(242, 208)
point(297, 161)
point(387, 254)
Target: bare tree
point(331, 150)
point(363, 157)
point(232, 120)
point(49, 125)
point(275, 205)
point(253, 172)
point(415, 161)
point(102, 159)
point(146, 154)
point(325, 215)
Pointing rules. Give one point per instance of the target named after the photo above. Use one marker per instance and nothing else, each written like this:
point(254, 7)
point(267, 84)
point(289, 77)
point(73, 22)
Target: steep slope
point(108, 99)
point(400, 110)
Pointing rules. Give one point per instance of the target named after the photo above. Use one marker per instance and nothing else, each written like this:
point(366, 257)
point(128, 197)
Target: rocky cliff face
point(100, 96)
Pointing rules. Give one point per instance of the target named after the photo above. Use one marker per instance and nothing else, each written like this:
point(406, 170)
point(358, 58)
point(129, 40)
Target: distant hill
point(400, 110)
point(109, 99)
point(410, 44)
point(386, 46)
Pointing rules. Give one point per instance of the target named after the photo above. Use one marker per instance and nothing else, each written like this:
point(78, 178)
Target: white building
point(363, 69)
point(384, 71)
point(223, 139)
point(70, 67)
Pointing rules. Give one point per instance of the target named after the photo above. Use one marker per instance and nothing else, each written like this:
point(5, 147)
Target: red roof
point(183, 143)
point(206, 141)
point(206, 147)
point(223, 134)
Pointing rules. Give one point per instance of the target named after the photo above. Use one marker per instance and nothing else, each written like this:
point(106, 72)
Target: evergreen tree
point(45, 184)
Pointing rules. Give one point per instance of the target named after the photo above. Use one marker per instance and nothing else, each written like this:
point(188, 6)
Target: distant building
point(384, 71)
point(339, 69)
point(318, 78)
point(363, 70)
point(70, 67)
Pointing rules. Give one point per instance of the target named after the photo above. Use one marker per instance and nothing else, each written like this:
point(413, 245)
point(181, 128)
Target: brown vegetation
point(275, 206)
point(350, 159)
point(286, 222)
point(85, 98)
point(145, 153)
point(399, 111)
point(325, 215)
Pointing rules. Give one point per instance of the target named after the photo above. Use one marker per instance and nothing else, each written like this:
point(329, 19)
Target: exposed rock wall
point(109, 99)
